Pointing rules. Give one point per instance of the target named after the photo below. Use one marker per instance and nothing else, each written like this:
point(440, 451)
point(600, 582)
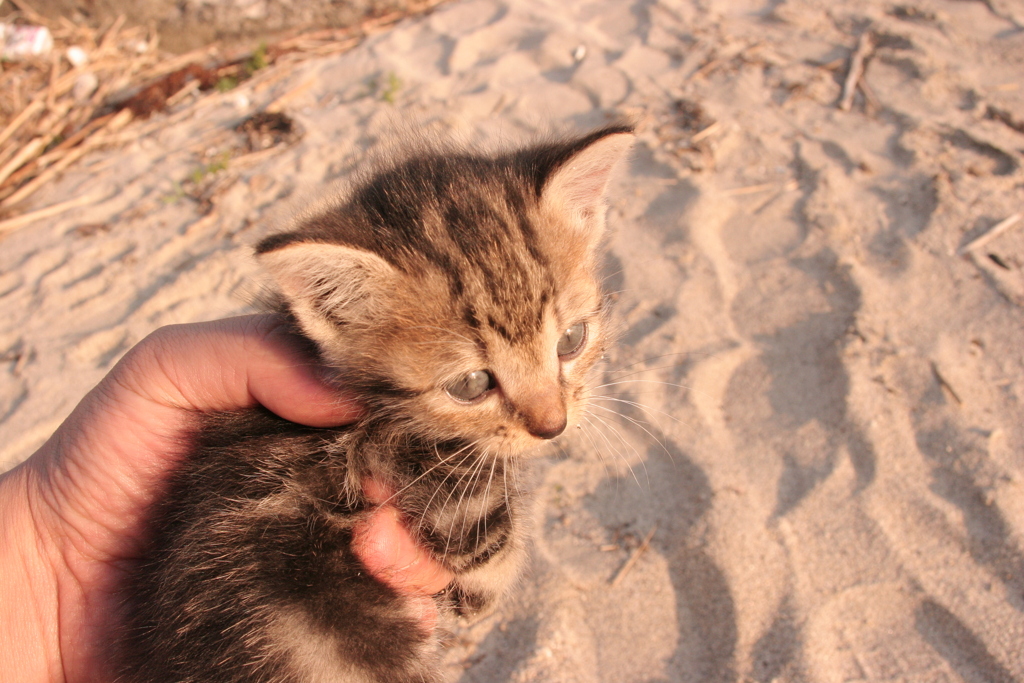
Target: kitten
point(455, 294)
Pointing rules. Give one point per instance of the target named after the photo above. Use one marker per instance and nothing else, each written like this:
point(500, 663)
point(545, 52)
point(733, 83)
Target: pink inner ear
point(581, 181)
point(321, 279)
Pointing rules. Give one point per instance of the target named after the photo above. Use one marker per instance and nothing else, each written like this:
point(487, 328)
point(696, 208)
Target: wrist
point(29, 634)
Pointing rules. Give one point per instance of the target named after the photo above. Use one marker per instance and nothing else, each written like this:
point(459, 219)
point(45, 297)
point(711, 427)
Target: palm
point(101, 482)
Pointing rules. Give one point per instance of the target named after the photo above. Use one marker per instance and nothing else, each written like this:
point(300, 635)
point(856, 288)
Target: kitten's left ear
point(327, 285)
point(578, 174)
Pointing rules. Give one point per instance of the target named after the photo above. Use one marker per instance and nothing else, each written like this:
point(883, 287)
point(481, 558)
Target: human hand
point(72, 517)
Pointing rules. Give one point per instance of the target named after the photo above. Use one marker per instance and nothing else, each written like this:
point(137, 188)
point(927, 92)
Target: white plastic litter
point(20, 41)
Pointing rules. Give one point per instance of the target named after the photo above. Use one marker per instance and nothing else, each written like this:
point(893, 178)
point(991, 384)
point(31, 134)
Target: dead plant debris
point(54, 109)
point(686, 131)
point(266, 129)
point(153, 98)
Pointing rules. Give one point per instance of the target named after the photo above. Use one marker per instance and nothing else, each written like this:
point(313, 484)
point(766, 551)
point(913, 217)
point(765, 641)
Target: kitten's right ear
point(579, 174)
point(574, 176)
point(327, 284)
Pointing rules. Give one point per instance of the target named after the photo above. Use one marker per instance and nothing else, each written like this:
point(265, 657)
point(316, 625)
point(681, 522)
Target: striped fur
point(435, 267)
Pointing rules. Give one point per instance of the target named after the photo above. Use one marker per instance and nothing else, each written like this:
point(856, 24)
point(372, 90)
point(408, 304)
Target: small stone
point(85, 86)
point(76, 55)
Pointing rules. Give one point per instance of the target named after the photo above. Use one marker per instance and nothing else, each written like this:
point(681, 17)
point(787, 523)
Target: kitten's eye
point(472, 386)
point(571, 341)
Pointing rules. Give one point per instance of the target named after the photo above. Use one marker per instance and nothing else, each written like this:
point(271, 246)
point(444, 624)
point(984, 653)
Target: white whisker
point(472, 473)
point(620, 382)
point(625, 443)
point(440, 485)
point(445, 331)
point(428, 471)
point(597, 449)
point(640, 424)
point(508, 506)
point(485, 501)
point(648, 360)
point(641, 406)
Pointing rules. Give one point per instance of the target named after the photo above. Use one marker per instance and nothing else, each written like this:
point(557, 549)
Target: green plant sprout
point(385, 88)
point(258, 60)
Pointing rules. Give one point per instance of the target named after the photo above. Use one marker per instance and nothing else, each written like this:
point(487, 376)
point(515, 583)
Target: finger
point(389, 550)
point(235, 363)
point(390, 553)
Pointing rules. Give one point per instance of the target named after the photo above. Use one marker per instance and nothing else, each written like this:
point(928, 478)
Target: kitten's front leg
point(487, 572)
point(476, 592)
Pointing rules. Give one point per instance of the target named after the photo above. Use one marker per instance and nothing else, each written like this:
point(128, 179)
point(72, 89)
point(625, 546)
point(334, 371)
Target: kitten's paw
point(470, 605)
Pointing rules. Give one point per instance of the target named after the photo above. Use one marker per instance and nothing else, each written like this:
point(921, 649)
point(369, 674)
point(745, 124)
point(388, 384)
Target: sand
point(814, 411)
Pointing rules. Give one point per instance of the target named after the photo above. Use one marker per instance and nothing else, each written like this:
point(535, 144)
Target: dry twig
point(865, 46)
point(26, 218)
point(992, 233)
point(945, 385)
point(634, 557)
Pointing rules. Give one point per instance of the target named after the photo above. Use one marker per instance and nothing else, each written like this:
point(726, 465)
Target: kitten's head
point(457, 292)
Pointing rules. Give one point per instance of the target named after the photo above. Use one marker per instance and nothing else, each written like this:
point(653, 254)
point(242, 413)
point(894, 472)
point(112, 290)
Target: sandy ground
point(830, 445)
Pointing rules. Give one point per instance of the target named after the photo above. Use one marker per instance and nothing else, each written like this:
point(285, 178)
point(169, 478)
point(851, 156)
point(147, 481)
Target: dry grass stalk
point(191, 87)
point(28, 188)
point(83, 133)
point(174, 63)
point(23, 155)
point(945, 385)
point(112, 124)
point(634, 557)
point(24, 219)
point(865, 46)
point(706, 132)
point(280, 103)
point(26, 11)
point(34, 106)
point(749, 189)
point(992, 233)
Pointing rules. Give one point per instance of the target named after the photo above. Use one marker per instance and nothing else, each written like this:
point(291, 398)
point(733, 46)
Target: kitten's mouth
point(528, 448)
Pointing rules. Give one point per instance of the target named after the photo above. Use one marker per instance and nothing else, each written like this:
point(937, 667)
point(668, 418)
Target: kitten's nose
point(544, 415)
point(548, 429)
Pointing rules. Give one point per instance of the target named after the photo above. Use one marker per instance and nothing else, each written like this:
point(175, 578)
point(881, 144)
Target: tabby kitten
point(455, 294)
